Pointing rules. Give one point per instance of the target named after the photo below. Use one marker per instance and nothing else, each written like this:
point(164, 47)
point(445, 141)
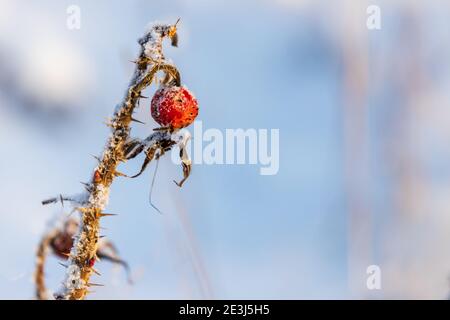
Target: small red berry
point(97, 177)
point(174, 107)
point(91, 262)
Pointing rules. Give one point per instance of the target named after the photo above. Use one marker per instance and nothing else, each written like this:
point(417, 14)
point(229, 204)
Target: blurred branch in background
point(193, 249)
point(415, 149)
point(356, 141)
point(59, 241)
point(393, 140)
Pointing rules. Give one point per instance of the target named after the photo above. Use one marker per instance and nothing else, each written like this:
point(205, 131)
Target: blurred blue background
point(364, 124)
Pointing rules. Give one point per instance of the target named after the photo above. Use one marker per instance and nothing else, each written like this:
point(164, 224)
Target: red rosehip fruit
point(174, 107)
point(91, 262)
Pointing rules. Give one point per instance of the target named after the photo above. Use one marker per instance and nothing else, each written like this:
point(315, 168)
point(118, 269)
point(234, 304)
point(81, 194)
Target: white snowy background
point(364, 156)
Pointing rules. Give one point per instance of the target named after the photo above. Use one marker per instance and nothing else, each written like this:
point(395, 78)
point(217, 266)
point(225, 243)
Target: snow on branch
point(120, 147)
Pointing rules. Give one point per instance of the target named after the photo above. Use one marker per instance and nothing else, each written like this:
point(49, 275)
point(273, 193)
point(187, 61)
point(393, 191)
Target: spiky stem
point(83, 253)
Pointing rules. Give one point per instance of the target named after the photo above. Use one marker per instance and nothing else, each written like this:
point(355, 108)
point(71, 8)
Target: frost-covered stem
point(39, 274)
point(83, 254)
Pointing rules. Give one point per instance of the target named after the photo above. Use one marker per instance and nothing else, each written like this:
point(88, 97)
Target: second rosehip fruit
point(174, 107)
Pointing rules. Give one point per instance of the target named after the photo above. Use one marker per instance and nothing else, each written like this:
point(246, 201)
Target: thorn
point(119, 174)
point(133, 61)
point(102, 214)
point(142, 97)
point(96, 157)
point(89, 284)
point(135, 120)
point(96, 272)
point(87, 185)
point(64, 265)
point(48, 201)
point(62, 200)
point(97, 258)
point(101, 237)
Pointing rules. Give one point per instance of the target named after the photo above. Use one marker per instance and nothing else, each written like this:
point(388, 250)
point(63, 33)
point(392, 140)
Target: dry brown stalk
point(119, 148)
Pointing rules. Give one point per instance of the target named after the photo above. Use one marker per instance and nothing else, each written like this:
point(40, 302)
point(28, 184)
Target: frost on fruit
point(175, 109)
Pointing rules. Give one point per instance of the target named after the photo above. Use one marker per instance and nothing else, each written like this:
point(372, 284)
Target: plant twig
point(83, 254)
point(39, 274)
point(59, 241)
